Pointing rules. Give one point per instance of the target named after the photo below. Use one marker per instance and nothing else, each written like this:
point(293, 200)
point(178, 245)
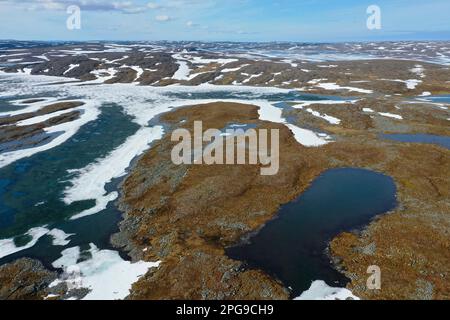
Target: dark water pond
point(292, 247)
point(443, 141)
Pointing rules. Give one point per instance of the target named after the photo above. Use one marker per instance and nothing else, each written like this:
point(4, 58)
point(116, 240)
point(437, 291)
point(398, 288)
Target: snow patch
point(305, 103)
point(319, 290)
point(91, 180)
point(305, 137)
point(59, 237)
point(139, 71)
point(418, 70)
point(8, 247)
point(234, 69)
point(390, 115)
point(71, 67)
point(91, 113)
point(411, 84)
point(334, 86)
point(330, 119)
point(183, 71)
point(106, 274)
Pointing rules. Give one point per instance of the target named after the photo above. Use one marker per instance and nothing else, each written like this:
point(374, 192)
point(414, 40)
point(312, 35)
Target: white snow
point(139, 71)
point(30, 107)
point(106, 274)
point(143, 104)
point(305, 137)
point(418, 70)
point(59, 237)
point(45, 117)
point(319, 290)
point(308, 138)
point(252, 76)
point(8, 247)
point(12, 55)
point(26, 71)
point(14, 60)
point(91, 113)
point(390, 115)
point(305, 103)
point(294, 65)
point(69, 257)
point(103, 75)
point(91, 180)
point(71, 67)
point(83, 52)
point(316, 81)
point(43, 57)
point(412, 83)
point(115, 60)
point(330, 119)
point(234, 69)
point(368, 110)
point(135, 101)
point(328, 66)
point(183, 71)
point(200, 60)
point(334, 86)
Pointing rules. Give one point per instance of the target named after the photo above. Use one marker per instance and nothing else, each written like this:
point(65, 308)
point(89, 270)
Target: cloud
point(190, 24)
point(162, 18)
point(153, 5)
point(124, 6)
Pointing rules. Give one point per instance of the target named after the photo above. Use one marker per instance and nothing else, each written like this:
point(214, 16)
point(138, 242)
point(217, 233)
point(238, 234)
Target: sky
point(225, 20)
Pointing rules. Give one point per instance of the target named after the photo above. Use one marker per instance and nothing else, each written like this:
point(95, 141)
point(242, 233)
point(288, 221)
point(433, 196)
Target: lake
point(292, 247)
point(442, 141)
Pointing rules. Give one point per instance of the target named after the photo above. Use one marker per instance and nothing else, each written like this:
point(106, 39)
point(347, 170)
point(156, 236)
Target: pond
point(442, 141)
point(292, 247)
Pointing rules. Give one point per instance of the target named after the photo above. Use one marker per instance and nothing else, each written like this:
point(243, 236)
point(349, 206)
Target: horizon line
point(232, 41)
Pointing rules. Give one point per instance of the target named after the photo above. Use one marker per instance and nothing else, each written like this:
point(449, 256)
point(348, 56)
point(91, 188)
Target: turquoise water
point(31, 189)
point(292, 246)
point(5, 105)
point(442, 141)
point(289, 96)
point(445, 98)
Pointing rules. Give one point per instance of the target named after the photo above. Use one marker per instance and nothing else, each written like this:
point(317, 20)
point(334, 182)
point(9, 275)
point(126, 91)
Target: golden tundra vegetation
point(186, 216)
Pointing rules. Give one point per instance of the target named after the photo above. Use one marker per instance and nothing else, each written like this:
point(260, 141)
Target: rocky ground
point(186, 216)
point(383, 70)
point(25, 279)
point(17, 135)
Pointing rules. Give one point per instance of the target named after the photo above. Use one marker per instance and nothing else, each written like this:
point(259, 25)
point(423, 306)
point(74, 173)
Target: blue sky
point(225, 20)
